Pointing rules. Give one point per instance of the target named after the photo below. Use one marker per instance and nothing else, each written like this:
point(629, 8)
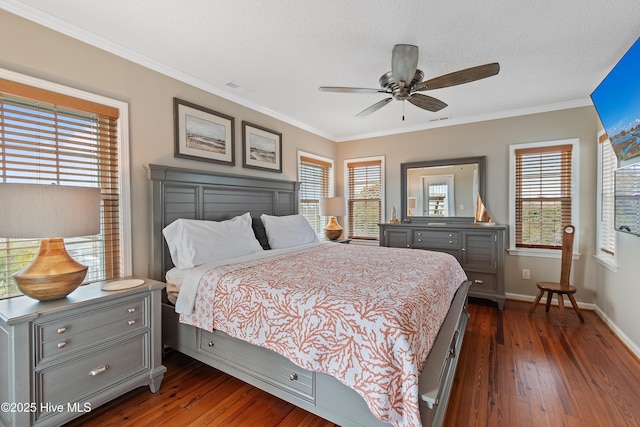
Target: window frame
point(575, 160)
point(347, 225)
point(605, 256)
point(330, 184)
point(123, 152)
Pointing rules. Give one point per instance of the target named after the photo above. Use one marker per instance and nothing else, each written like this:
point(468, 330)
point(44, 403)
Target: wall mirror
point(441, 191)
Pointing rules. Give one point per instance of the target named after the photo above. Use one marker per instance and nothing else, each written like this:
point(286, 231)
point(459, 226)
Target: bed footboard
point(440, 368)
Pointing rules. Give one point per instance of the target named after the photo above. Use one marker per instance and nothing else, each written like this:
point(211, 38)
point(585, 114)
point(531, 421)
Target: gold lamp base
point(333, 231)
point(53, 274)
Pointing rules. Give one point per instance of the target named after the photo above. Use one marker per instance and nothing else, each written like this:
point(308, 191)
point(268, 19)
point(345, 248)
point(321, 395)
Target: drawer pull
point(478, 281)
point(99, 370)
point(450, 235)
point(211, 343)
point(451, 242)
point(419, 234)
point(131, 322)
point(62, 344)
point(131, 310)
point(62, 330)
point(454, 342)
point(419, 240)
point(293, 377)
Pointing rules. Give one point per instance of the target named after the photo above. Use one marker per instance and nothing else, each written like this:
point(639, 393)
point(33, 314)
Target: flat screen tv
point(617, 100)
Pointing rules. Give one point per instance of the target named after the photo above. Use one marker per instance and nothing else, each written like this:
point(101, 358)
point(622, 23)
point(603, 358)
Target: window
point(606, 239)
point(542, 192)
point(49, 136)
point(315, 174)
point(364, 191)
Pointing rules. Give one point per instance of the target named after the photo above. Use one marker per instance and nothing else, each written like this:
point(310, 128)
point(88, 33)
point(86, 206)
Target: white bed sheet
point(184, 283)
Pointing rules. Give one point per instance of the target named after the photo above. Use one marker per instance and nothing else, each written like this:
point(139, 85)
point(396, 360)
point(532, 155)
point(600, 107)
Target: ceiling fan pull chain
point(403, 110)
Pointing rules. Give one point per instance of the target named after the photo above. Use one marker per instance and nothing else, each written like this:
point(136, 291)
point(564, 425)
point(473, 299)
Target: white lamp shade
point(333, 206)
point(32, 211)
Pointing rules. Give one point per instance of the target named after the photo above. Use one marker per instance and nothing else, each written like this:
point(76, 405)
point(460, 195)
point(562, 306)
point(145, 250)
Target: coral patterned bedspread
point(366, 315)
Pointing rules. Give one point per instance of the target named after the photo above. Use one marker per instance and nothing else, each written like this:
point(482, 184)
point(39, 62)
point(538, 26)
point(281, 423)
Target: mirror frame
point(480, 160)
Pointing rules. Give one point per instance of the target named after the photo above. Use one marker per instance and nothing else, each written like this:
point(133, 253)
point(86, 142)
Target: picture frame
point(203, 134)
point(261, 148)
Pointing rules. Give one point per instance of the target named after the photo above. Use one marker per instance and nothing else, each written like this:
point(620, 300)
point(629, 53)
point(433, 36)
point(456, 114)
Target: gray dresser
point(479, 249)
point(60, 359)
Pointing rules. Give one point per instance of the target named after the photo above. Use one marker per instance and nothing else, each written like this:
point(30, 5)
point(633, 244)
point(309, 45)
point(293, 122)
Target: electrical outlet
point(526, 274)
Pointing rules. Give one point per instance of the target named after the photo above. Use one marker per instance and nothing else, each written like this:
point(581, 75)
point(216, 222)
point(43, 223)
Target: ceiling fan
point(404, 81)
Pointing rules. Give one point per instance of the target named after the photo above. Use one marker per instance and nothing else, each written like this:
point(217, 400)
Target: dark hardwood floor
point(514, 370)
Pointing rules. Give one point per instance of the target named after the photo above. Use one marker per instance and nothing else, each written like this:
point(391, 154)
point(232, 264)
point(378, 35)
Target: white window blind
point(627, 199)
point(315, 181)
point(543, 195)
point(364, 198)
point(50, 138)
point(608, 164)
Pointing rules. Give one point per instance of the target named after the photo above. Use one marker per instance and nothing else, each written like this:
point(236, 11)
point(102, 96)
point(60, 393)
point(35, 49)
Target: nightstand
point(62, 358)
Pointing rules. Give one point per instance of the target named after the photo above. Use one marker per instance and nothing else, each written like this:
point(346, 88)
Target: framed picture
point(203, 134)
point(261, 148)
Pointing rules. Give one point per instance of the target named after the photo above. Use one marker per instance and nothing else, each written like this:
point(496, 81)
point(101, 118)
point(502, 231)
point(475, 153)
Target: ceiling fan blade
point(460, 77)
point(404, 61)
point(426, 102)
point(375, 107)
point(350, 89)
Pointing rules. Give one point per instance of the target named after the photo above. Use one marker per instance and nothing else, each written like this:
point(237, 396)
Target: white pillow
point(287, 231)
point(194, 242)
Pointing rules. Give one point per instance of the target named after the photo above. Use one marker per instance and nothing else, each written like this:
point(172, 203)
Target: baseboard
point(633, 348)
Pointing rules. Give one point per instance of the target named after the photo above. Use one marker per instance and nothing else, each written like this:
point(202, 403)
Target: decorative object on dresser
point(482, 215)
point(69, 356)
point(563, 287)
point(333, 207)
point(49, 212)
point(394, 217)
point(480, 251)
point(261, 148)
point(203, 134)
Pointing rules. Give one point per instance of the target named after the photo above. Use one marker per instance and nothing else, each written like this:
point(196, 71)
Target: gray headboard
point(196, 194)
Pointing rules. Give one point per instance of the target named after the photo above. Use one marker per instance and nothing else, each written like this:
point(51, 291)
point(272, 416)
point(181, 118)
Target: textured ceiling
point(552, 53)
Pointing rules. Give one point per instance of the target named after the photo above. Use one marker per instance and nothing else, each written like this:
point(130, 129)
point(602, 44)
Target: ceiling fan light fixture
point(404, 61)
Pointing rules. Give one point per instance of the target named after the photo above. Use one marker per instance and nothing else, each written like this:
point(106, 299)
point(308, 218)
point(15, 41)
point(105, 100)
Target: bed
point(332, 386)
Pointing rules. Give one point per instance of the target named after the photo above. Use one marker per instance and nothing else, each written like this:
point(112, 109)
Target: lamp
point(412, 202)
point(332, 207)
point(49, 212)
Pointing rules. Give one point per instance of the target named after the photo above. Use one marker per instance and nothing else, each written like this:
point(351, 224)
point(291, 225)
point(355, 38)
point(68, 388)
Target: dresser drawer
point(76, 379)
point(273, 369)
point(436, 239)
point(482, 282)
point(66, 335)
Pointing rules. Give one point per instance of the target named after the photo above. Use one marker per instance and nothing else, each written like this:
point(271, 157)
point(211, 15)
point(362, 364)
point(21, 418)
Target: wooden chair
point(562, 288)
